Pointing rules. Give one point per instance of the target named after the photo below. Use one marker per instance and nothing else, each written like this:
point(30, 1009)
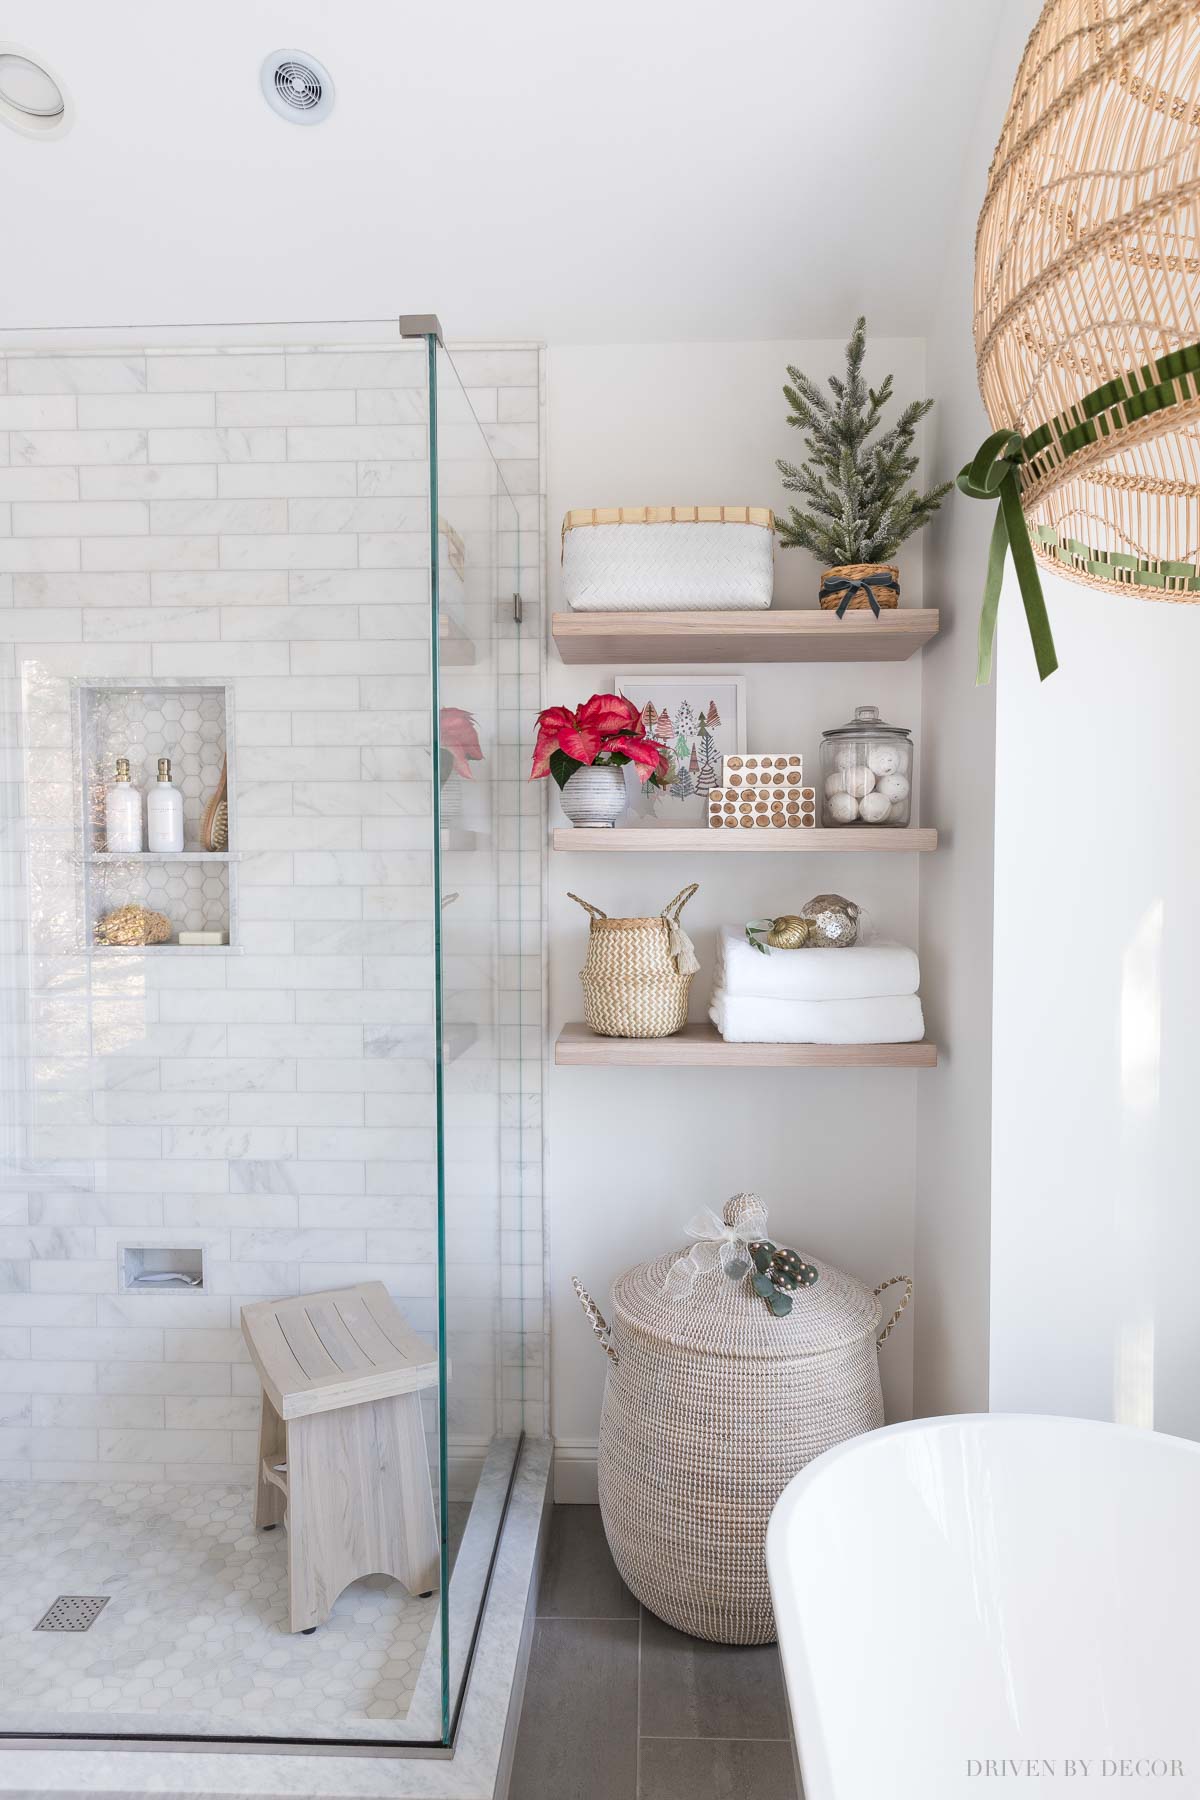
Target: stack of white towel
point(866, 994)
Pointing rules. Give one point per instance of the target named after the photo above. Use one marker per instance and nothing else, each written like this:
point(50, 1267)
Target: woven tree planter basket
point(638, 972)
point(711, 1405)
point(1087, 293)
point(853, 587)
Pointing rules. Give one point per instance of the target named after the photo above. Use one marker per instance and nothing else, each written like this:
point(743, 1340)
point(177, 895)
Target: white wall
point(1096, 1155)
point(632, 1155)
point(954, 1108)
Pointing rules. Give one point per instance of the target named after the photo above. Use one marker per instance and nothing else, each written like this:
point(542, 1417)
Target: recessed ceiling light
point(32, 99)
point(297, 87)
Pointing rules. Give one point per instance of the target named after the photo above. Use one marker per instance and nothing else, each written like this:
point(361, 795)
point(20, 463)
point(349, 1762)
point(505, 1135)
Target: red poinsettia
point(458, 742)
point(606, 729)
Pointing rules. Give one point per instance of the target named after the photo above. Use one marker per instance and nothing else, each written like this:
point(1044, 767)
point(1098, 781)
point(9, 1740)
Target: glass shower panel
point(480, 971)
point(219, 1072)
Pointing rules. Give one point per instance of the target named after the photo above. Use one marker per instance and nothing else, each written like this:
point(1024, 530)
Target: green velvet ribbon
point(993, 475)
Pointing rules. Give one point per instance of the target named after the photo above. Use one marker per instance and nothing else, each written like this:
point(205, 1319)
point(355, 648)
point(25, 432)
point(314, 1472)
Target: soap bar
point(202, 937)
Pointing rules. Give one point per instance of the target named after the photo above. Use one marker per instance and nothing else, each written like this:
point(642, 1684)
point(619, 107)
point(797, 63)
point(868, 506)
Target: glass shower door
point(481, 964)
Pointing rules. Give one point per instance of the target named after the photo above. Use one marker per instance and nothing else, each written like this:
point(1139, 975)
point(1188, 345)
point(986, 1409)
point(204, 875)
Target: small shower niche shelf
point(190, 722)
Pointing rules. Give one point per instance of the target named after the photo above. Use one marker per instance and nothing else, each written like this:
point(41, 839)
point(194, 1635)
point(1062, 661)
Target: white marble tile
point(406, 367)
point(161, 552)
point(38, 412)
point(144, 410)
point(34, 555)
point(321, 480)
point(258, 587)
point(218, 445)
point(225, 371)
point(42, 374)
point(188, 517)
point(353, 443)
point(39, 484)
point(192, 481)
point(293, 407)
point(51, 591)
point(287, 550)
point(40, 449)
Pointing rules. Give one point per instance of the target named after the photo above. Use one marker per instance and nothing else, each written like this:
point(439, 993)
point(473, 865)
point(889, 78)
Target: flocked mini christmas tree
point(858, 504)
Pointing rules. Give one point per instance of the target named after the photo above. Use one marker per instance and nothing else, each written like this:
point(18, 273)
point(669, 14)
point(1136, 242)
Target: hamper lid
point(700, 1308)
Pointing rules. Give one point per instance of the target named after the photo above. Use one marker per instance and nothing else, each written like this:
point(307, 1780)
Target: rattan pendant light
point(1087, 309)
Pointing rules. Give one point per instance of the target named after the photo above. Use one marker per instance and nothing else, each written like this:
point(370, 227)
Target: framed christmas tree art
point(697, 717)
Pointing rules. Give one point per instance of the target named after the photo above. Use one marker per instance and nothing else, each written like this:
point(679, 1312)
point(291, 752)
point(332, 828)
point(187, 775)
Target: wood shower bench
point(342, 1455)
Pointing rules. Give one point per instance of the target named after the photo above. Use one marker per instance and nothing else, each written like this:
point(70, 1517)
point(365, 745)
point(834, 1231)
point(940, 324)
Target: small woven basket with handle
point(638, 972)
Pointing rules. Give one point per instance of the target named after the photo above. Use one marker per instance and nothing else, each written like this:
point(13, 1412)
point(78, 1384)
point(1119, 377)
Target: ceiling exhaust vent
point(297, 87)
point(32, 99)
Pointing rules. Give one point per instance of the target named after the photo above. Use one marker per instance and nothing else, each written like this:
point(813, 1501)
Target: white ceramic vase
point(595, 796)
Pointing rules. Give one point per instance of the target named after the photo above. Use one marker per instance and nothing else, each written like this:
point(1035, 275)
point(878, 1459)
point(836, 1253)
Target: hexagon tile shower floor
point(194, 1638)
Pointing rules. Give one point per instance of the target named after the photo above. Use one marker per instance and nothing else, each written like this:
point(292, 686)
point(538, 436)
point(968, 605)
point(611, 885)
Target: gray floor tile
point(704, 1769)
point(693, 1689)
point(579, 1580)
point(578, 1736)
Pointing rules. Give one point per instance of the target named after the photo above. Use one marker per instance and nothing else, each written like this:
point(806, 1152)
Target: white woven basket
point(711, 1405)
point(668, 558)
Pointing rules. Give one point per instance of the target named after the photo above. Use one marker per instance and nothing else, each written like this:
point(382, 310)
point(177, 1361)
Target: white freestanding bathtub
point(993, 1605)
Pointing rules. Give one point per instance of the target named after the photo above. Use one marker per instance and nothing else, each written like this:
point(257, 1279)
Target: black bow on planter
point(860, 584)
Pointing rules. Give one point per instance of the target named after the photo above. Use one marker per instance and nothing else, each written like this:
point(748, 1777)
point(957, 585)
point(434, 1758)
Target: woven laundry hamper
point(711, 1405)
point(638, 972)
point(668, 558)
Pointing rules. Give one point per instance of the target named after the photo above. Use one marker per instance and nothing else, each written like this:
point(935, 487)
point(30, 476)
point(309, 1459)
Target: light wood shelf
point(666, 840)
point(703, 1046)
point(740, 637)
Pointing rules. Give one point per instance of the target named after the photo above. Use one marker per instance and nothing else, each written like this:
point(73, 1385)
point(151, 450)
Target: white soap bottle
point(123, 814)
point(164, 813)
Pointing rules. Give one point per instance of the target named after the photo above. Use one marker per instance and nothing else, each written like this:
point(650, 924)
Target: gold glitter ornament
point(789, 932)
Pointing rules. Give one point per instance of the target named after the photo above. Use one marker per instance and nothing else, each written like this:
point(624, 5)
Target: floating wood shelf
point(738, 637)
point(703, 1046)
point(667, 840)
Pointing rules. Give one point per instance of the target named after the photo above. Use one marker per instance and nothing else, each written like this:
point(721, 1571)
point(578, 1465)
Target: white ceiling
point(640, 170)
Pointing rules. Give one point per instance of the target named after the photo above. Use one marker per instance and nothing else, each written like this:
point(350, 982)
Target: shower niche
point(194, 889)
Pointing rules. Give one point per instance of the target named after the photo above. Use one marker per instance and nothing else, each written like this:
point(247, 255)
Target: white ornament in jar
point(859, 781)
point(836, 783)
point(883, 759)
point(874, 808)
point(841, 807)
point(894, 787)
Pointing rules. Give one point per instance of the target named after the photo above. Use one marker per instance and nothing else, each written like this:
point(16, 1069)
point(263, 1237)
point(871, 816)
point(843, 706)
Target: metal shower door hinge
point(518, 610)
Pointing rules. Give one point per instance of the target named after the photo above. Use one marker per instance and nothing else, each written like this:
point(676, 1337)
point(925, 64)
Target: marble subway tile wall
point(259, 519)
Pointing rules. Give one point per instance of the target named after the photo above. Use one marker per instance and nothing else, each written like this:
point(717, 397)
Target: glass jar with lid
point(866, 772)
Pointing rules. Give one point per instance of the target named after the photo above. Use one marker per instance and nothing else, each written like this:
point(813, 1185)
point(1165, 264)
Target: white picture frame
point(683, 695)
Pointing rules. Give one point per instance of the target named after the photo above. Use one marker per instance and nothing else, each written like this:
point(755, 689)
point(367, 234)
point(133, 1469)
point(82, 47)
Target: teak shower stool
point(342, 1455)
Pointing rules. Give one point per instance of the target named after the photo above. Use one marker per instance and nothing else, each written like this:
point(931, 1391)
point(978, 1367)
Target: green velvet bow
point(992, 475)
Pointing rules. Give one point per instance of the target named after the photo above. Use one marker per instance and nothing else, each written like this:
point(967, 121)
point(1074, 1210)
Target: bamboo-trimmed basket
point(638, 972)
point(711, 1405)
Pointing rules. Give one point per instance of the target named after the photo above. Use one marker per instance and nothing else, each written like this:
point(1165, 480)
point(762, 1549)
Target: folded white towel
point(862, 971)
point(886, 1019)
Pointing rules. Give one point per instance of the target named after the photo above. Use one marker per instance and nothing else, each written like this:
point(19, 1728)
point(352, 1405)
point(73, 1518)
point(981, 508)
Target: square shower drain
point(74, 1612)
